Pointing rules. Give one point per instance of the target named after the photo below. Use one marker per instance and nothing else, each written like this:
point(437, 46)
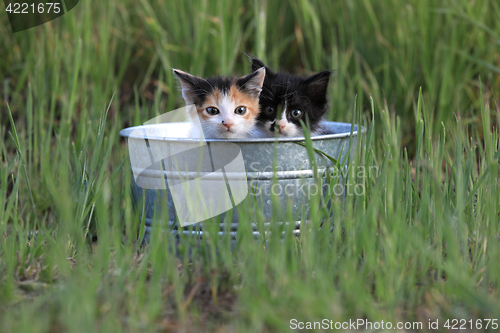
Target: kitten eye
point(212, 111)
point(240, 110)
point(269, 110)
point(296, 114)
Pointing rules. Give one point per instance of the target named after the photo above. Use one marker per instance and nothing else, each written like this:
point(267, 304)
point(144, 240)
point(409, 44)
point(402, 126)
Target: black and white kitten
point(287, 99)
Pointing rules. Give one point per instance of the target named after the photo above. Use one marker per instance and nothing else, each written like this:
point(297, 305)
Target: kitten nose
point(227, 124)
point(281, 127)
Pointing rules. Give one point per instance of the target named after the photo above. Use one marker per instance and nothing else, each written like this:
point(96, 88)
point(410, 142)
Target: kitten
point(227, 107)
point(286, 99)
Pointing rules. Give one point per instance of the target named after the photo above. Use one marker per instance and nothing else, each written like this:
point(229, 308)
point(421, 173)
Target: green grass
point(420, 243)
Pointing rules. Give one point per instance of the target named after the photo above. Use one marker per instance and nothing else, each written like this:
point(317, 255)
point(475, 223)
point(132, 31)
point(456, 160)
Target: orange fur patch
point(202, 114)
point(251, 103)
point(211, 100)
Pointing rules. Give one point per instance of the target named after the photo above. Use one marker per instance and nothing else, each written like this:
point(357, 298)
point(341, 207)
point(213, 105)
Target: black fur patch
point(200, 88)
point(308, 94)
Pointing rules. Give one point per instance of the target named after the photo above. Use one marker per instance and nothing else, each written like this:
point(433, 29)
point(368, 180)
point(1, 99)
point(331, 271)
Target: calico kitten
point(287, 99)
point(227, 107)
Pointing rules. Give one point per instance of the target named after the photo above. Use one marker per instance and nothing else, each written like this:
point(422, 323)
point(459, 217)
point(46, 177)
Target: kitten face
point(287, 99)
point(226, 106)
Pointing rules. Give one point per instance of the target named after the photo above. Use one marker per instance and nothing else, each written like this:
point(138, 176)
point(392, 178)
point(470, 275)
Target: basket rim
point(128, 133)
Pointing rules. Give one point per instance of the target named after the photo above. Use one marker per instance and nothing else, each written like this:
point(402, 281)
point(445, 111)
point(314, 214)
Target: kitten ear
point(189, 85)
point(257, 63)
point(317, 85)
point(253, 82)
